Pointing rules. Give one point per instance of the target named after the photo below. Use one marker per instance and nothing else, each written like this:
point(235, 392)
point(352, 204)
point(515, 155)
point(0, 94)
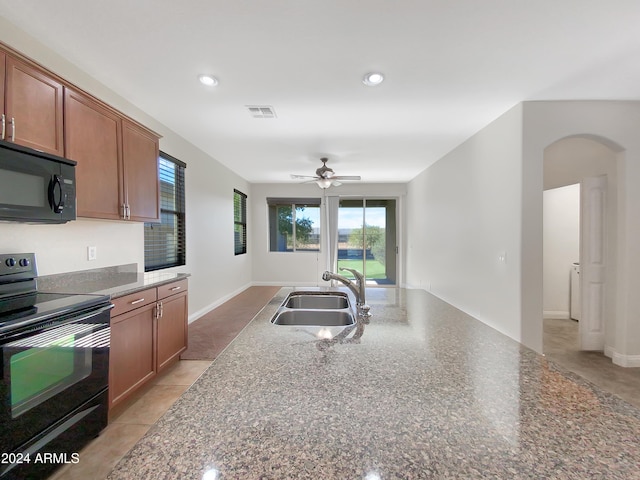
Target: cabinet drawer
point(172, 288)
point(133, 300)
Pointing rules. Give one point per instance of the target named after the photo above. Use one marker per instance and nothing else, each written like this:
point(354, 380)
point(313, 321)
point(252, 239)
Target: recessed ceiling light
point(208, 80)
point(373, 78)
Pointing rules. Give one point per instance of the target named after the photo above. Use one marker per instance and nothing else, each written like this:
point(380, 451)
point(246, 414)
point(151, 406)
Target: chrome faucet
point(358, 289)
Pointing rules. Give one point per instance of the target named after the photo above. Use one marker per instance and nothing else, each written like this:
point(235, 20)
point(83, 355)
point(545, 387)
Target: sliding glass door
point(367, 239)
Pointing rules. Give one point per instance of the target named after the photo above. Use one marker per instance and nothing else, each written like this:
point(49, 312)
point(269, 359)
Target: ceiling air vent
point(261, 111)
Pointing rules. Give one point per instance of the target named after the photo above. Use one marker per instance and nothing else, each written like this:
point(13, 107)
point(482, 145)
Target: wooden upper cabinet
point(141, 184)
point(117, 172)
point(3, 58)
point(33, 107)
point(93, 139)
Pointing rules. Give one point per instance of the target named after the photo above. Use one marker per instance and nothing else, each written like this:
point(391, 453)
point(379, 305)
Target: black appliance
point(36, 187)
point(54, 371)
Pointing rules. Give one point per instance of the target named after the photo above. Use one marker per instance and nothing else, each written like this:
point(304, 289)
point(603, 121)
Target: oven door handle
point(92, 313)
point(9, 335)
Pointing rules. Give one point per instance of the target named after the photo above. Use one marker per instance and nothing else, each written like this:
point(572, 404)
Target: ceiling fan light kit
point(324, 183)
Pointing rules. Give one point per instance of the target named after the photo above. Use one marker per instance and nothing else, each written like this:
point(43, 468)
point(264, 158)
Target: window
point(239, 222)
point(164, 242)
point(294, 224)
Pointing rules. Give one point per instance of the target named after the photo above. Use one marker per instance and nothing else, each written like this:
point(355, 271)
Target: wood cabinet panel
point(33, 107)
point(172, 329)
point(3, 57)
point(132, 355)
point(132, 301)
point(149, 331)
point(141, 183)
point(169, 289)
point(93, 139)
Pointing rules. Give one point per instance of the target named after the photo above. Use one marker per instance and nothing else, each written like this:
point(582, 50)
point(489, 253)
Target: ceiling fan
point(326, 177)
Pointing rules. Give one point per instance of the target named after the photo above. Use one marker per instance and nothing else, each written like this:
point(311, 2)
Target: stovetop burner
point(22, 304)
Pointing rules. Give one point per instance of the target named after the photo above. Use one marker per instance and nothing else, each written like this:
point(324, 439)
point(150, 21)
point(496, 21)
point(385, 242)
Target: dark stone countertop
point(113, 281)
point(427, 392)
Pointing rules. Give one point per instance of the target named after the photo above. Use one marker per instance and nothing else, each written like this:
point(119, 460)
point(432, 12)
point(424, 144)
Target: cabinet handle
point(13, 129)
point(137, 301)
point(124, 211)
point(161, 308)
point(4, 126)
point(174, 289)
point(128, 212)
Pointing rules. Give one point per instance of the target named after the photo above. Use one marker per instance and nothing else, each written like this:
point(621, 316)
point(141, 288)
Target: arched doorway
point(591, 163)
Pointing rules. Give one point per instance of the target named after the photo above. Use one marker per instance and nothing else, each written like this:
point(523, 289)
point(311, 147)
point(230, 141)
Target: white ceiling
point(451, 67)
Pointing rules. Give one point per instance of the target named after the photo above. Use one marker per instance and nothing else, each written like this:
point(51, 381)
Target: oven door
point(35, 187)
point(50, 371)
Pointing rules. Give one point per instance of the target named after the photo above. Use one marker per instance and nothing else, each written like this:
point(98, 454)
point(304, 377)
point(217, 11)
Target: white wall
point(463, 213)
point(613, 124)
point(301, 268)
point(216, 272)
point(561, 237)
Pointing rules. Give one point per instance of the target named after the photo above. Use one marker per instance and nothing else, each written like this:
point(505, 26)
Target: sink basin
point(314, 318)
point(321, 313)
point(316, 300)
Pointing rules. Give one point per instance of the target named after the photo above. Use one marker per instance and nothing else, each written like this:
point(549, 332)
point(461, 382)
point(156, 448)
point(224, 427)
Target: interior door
point(593, 203)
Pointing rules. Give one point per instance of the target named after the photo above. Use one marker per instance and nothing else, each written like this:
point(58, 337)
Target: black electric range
point(54, 370)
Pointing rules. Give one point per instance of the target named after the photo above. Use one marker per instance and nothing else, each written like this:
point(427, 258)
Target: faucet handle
point(364, 313)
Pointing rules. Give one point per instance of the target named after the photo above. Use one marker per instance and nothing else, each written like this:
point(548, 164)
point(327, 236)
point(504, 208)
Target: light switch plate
point(92, 253)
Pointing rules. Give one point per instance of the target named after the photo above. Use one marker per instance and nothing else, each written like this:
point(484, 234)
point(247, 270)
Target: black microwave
point(36, 187)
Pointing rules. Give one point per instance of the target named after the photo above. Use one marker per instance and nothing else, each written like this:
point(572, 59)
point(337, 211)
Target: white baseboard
point(196, 315)
point(562, 315)
point(621, 360)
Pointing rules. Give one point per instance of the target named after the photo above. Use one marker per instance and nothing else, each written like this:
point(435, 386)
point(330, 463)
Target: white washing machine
point(574, 291)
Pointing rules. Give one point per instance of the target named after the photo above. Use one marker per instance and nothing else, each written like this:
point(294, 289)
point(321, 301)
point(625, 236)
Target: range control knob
point(10, 262)
point(24, 262)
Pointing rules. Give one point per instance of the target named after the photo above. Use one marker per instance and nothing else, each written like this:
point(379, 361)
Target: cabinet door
point(3, 58)
point(33, 107)
point(172, 329)
point(141, 184)
point(92, 138)
point(131, 358)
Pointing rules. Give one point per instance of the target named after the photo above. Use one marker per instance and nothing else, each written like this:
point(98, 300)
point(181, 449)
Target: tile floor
point(130, 422)
point(560, 345)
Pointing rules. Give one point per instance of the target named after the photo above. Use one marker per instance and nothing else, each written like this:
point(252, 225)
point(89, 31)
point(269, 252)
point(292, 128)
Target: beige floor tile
point(99, 457)
point(152, 405)
point(184, 372)
point(561, 345)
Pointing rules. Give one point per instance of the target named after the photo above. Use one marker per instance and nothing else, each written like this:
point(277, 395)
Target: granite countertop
point(113, 281)
point(428, 392)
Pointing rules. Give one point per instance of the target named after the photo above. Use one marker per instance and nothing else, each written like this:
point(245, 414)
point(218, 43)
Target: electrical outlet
point(92, 253)
point(502, 257)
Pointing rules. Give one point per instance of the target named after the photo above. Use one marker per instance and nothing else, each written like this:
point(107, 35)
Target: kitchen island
point(427, 392)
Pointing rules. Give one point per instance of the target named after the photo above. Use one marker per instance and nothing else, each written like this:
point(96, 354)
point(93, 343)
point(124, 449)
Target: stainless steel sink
point(316, 300)
point(324, 314)
point(315, 318)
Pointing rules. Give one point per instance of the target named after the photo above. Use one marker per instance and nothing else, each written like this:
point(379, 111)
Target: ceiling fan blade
point(346, 177)
point(302, 176)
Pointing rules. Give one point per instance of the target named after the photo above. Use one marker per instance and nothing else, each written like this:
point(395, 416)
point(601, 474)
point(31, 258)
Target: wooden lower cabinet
point(172, 329)
point(131, 358)
point(149, 331)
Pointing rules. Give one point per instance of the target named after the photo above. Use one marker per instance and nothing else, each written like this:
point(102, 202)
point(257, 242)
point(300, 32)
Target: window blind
point(164, 242)
point(240, 222)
